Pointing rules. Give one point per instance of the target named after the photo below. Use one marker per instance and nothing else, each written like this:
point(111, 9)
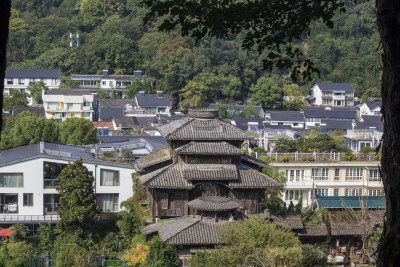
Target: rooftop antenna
point(74, 39)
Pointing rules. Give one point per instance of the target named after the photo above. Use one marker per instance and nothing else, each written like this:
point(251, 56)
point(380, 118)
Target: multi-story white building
point(309, 175)
point(333, 94)
point(21, 78)
point(28, 180)
point(62, 104)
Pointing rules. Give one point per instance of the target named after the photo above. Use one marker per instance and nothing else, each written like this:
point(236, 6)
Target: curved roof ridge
point(148, 177)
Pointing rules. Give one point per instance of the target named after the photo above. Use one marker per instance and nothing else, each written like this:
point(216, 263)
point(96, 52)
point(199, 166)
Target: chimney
point(42, 146)
point(105, 72)
point(137, 74)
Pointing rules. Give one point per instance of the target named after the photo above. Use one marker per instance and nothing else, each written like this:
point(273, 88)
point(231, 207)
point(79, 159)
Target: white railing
point(316, 157)
point(364, 134)
point(27, 218)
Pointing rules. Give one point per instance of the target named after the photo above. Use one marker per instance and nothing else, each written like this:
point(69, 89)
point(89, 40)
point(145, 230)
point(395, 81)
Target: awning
point(338, 92)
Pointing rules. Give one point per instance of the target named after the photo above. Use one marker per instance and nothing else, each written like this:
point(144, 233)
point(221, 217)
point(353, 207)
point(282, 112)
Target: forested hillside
point(113, 37)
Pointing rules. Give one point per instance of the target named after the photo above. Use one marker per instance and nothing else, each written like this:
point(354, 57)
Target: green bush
point(72, 255)
point(367, 150)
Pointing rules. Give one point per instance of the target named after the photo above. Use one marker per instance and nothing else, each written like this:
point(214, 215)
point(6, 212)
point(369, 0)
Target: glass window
point(10, 81)
point(374, 175)
point(11, 180)
point(321, 192)
point(320, 173)
point(354, 173)
point(21, 81)
point(109, 202)
point(336, 192)
point(376, 192)
point(109, 177)
point(353, 192)
point(28, 199)
point(337, 174)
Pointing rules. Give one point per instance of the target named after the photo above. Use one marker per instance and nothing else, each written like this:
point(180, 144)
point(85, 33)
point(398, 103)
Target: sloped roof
point(208, 148)
point(319, 230)
point(213, 203)
point(152, 100)
point(202, 129)
point(370, 121)
point(286, 115)
point(126, 122)
point(67, 92)
point(335, 86)
point(111, 112)
point(108, 124)
point(331, 202)
point(234, 106)
point(292, 222)
point(187, 230)
point(373, 104)
point(243, 123)
point(179, 176)
point(338, 124)
point(245, 159)
point(152, 159)
point(116, 102)
point(332, 113)
point(33, 73)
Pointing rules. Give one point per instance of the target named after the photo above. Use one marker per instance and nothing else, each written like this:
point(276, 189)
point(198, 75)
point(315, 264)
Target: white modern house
point(28, 180)
point(370, 108)
point(310, 175)
point(62, 104)
point(21, 78)
point(157, 103)
point(332, 94)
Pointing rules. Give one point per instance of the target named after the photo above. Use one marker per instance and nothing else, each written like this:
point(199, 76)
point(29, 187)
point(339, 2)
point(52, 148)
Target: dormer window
point(159, 94)
point(141, 93)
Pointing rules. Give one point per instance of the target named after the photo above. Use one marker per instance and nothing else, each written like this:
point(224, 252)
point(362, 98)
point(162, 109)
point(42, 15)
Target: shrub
point(136, 255)
point(72, 255)
point(367, 150)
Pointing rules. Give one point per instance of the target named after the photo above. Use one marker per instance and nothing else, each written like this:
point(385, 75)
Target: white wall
point(316, 92)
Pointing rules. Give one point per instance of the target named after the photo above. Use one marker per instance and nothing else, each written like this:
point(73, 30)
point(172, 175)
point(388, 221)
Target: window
point(28, 199)
point(377, 112)
point(374, 175)
point(109, 177)
point(53, 81)
point(87, 114)
point(320, 173)
point(293, 194)
point(336, 192)
point(353, 192)
point(376, 192)
point(8, 203)
point(164, 201)
point(354, 173)
point(10, 81)
point(295, 175)
point(337, 174)
point(21, 81)
point(70, 106)
point(323, 192)
point(11, 180)
point(109, 202)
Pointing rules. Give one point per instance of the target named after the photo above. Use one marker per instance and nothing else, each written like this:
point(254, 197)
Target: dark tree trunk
point(388, 19)
point(4, 20)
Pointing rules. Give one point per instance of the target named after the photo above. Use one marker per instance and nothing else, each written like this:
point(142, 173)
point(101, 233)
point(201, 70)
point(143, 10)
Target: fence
point(317, 157)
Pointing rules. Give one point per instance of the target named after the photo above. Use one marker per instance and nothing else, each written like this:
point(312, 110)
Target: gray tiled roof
point(250, 178)
point(286, 115)
point(179, 176)
point(242, 123)
point(333, 113)
point(151, 100)
point(170, 228)
point(126, 122)
point(335, 86)
point(202, 129)
point(337, 124)
point(217, 172)
point(120, 138)
point(292, 222)
point(18, 153)
point(213, 203)
point(111, 112)
point(33, 73)
point(370, 121)
point(152, 159)
point(373, 104)
point(67, 92)
point(208, 148)
point(116, 102)
point(234, 107)
point(245, 158)
point(319, 230)
point(204, 232)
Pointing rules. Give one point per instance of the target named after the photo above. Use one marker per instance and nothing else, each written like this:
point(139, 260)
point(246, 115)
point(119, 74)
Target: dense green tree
point(46, 236)
point(267, 93)
point(16, 99)
point(27, 128)
point(294, 97)
point(78, 210)
point(321, 143)
point(36, 89)
point(129, 224)
point(284, 145)
point(92, 12)
point(77, 131)
point(71, 254)
point(161, 254)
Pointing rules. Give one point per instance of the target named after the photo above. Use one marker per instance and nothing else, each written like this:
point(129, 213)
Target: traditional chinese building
point(202, 179)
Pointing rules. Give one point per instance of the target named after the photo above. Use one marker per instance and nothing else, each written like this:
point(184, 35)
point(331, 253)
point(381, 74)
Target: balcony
point(87, 108)
point(9, 208)
point(339, 97)
point(298, 184)
point(13, 219)
point(362, 134)
point(316, 157)
point(51, 208)
point(50, 183)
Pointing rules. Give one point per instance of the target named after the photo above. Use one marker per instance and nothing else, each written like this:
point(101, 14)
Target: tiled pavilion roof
point(213, 203)
point(209, 148)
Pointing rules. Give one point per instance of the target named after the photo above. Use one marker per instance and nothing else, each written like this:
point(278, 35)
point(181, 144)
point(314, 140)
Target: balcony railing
point(29, 218)
point(9, 208)
point(51, 207)
point(317, 157)
point(50, 183)
point(363, 134)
